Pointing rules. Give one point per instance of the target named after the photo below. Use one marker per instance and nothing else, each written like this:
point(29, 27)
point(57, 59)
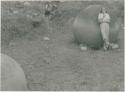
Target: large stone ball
point(86, 28)
point(12, 75)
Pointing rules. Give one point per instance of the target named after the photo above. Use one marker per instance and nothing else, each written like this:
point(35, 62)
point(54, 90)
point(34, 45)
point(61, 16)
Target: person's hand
point(107, 21)
point(100, 20)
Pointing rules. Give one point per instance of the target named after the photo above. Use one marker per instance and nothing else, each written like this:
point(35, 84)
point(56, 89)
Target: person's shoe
point(105, 48)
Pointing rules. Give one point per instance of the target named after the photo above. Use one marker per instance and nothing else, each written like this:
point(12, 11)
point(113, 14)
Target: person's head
point(103, 10)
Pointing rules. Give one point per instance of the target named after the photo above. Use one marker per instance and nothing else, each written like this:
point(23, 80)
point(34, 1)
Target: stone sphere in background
point(86, 28)
point(12, 75)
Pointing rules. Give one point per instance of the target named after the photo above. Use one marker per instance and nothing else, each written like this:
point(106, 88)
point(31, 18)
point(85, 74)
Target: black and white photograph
point(62, 45)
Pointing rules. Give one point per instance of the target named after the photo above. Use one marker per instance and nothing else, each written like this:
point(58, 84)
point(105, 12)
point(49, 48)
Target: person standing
point(104, 20)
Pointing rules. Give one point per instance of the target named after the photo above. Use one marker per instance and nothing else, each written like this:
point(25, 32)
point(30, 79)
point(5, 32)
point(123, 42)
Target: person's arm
point(100, 18)
point(107, 18)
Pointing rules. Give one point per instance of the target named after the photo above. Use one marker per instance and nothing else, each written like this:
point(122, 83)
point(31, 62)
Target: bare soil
point(58, 64)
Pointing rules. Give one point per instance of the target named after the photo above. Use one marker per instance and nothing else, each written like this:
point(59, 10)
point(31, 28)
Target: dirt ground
point(58, 64)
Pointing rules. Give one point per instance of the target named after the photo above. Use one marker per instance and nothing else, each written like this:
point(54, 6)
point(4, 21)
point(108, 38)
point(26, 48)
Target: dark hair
point(102, 12)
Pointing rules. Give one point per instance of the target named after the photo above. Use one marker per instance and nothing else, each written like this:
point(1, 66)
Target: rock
point(114, 46)
point(12, 75)
point(15, 12)
point(35, 14)
point(83, 47)
point(46, 38)
point(26, 3)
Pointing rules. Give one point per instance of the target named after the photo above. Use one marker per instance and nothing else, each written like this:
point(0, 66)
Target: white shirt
point(103, 18)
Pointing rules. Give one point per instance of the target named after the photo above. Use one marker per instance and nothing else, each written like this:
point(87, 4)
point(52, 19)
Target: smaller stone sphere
point(12, 75)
